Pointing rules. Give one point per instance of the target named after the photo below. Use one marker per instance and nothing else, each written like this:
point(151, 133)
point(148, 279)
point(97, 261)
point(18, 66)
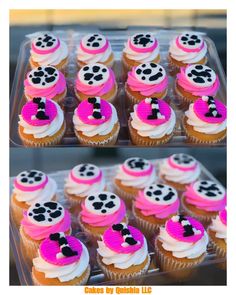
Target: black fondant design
point(201, 75)
point(32, 177)
point(190, 40)
point(183, 159)
point(45, 41)
point(94, 74)
point(142, 40)
point(137, 164)
point(103, 203)
point(94, 41)
point(43, 77)
point(189, 230)
point(41, 111)
point(64, 246)
point(161, 193)
point(150, 73)
point(127, 237)
point(209, 189)
point(96, 102)
point(156, 114)
point(212, 110)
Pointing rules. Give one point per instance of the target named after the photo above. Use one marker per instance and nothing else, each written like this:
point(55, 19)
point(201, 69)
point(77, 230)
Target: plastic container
point(154, 276)
point(117, 39)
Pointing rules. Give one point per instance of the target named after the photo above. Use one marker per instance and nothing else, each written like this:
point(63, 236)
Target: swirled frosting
point(146, 129)
point(44, 54)
point(180, 50)
point(38, 130)
point(38, 232)
point(89, 54)
point(132, 48)
point(185, 79)
point(36, 89)
point(157, 200)
point(180, 168)
point(43, 194)
point(114, 249)
point(102, 209)
point(126, 173)
point(66, 271)
point(155, 81)
point(185, 237)
point(219, 225)
point(96, 127)
point(206, 195)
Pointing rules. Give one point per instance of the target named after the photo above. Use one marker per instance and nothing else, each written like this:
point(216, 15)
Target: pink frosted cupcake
point(133, 175)
point(146, 80)
point(62, 261)
point(82, 181)
point(45, 81)
point(95, 48)
point(96, 122)
point(186, 49)
point(99, 211)
point(47, 49)
point(205, 120)
point(41, 220)
point(96, 80)
point(203, 200)
point(41, 123)
point(123, 252)
point(151, 123)
point(195, 81)
point(140, 48)
point(179, 170)
point(181, 244)
point(154, 205)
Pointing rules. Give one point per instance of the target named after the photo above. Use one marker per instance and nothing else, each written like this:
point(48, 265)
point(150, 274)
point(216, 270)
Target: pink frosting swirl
point(49, 92)
point(42, 232)
point(193, 198)
point(96, 90)
point(160, 211)
point(103, 220)
point(197, 91)
point(145, 89)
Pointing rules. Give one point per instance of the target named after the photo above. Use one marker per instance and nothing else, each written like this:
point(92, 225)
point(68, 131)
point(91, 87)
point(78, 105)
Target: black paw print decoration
point(190, 40)
point(137, 164)
point(161, 194)
point(94, 74)
point(43, 77)
point(150, 73)
point(200, 75)
point(45, 41)
point(31, 178)
point(94, 41)
point(86, 171)
point(142, 40)
point(183, 160)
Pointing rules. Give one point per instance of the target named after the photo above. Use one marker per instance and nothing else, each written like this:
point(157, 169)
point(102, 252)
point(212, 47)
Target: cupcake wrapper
point(111, 275)
point(220, 253)
point(30, 247)
point(128, 198)
point(78, 283)
point(16, 213)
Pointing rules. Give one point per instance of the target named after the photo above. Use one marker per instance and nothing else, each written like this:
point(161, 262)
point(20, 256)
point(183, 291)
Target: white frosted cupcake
point(179, 170)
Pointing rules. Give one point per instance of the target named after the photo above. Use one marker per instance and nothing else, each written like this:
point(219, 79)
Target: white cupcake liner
point(17, 213)
point(128, 198)
point(220, 252)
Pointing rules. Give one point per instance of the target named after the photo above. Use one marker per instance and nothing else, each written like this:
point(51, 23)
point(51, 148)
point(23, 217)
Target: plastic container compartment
point(117, 39)
point(153, 277)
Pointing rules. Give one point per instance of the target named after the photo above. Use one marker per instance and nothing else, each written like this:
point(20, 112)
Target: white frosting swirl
point(53, 58)
point(135, 181)
point(173, 174)
point(64, 273)
point(183, 249)
point(90, 58)
point(202, 126)
point(82, 189)
point(187, 57)
point(152, 131)
point(45, 130)
point(39, 196)
point(121, 260)
point(141, 57)
point(93, 130)
point(219, 228)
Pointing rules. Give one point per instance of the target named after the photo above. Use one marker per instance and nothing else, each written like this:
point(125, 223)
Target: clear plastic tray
point(117, 39)
point(154, 276)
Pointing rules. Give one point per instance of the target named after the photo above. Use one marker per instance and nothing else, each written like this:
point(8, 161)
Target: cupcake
point(31, 187)
point(45, 81)
point(217, 232)
point(195, 81)
point(140, 48)
point(181, 244)
point(41, 123)
point(123, 252)
point(47, 49)
point(205, 121)
point(96, 122)
point(82, 181)
point(186, 49)
point(152, 122)
point(179, 170)
point(96, 80)
point(95, 48)
point(153, 206)
point(41, 220)
point(146, 80)
point(133, 175)
point(62, 260)
point(203, 200)
point(99, 211)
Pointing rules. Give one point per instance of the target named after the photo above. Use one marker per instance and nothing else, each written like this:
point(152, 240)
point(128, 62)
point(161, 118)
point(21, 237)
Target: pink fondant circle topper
point(30, 188)
point(145, 172)
point(184, 48)
point(175, 165)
